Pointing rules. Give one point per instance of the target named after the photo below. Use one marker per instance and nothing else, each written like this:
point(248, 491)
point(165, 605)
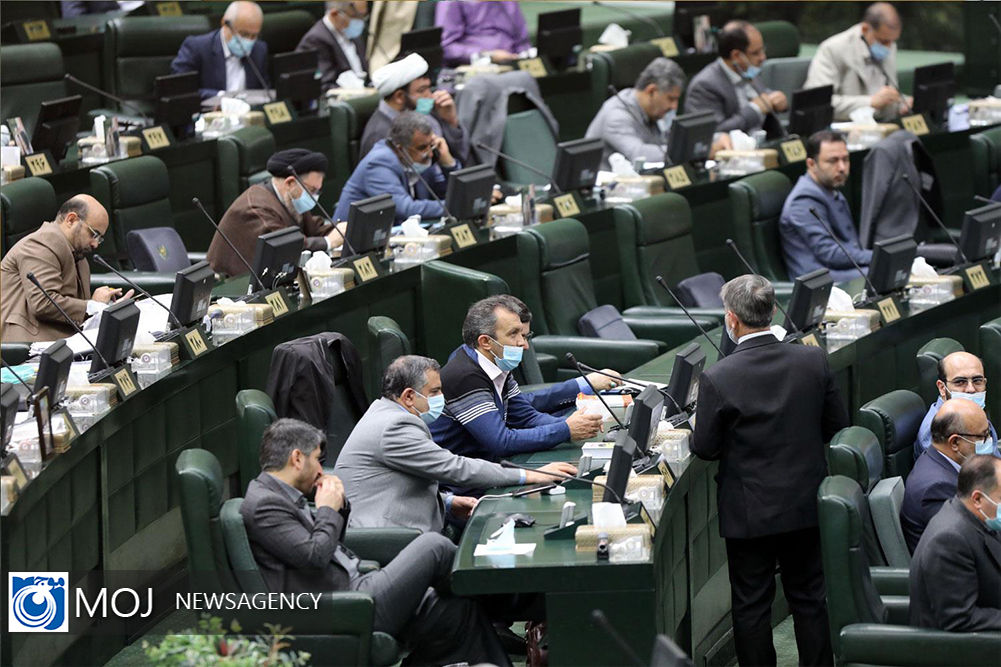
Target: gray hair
point(662, 72)
point(233, 9)
point(751, 298)
point(337, 5)
point(481, 318)
point(407, 372)
point(404, 126)
point(283, 437)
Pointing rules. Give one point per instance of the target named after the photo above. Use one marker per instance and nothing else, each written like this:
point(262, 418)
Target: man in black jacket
point(765, 412)
point(339, 41)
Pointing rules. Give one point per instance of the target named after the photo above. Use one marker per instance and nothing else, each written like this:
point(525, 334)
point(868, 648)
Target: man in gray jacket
point(391, 467)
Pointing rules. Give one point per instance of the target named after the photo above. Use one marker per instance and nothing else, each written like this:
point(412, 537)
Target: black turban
point(302, 160)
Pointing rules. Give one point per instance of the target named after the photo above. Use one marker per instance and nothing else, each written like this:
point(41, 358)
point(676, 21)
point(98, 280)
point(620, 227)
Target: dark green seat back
point(781, 38)
point(347, 122)
point(254, 413)
point(986, 147)
point(387, 343)
point(895, 418)
point(855, 453)
point(528, 138)
point(786, 75)
point(29, 75)
point(24, 205)
point(241, 558)
point(15, 353)
point(990, 353)
point(447, 292)
point(243, 156)
point(283, 30)
point(928, 357)
point(756, 205)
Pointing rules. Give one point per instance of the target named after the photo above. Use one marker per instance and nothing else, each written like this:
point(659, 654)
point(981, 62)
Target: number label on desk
point(277, 113)
point(277, 303)
point(35, 31)
point(38, 164)
point(793, 150)
point(533, 66)
point(365, 269)
point(666, 45)
point(123, 379)
point(463, 235)
point(648, 520)
point(566, 205)
point(888, 309)
point(71, 429)
point(168, 9)
point(977, 277)
point(156, 138)
point(665, 471)
point(677, 177)
point(915, 124)
point(810, 340)
point(196, 343)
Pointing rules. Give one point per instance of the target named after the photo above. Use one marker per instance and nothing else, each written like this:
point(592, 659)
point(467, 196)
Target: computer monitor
point(811, 110)
point(177, 101)
point(369, 223)
point(192, 294)
point(559, 36)
point(469, 192)
point(981, 235)
point(8, 411)
point(576, 164)
point(57, 125)
point(691, 138)
point(648, 408)
point(295, 78)
point(427, 43)
point(933, 86)
point(276, 257)
point(683, 386)
point(891, 263)
point(116, 334)
point(685, 15)
point(54, 371)
point(619, 468)
point(809, 300)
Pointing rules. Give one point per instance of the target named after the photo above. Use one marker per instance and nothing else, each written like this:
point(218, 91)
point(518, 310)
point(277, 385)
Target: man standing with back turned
point(770, 445)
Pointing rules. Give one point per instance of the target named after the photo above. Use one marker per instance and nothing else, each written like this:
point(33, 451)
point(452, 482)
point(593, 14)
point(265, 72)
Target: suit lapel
point(993, 544)
point(218, 63)
point(729, 90)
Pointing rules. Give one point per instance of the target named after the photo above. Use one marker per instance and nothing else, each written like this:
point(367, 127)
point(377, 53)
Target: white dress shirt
point(347, 46)
point(496, 375)
point(745, 91)
point(756, 334)
point(236, 77)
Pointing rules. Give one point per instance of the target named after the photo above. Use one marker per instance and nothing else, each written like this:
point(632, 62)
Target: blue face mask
point(511, 358)
point(354, 29)
point(993, 523)
point(424, 105)
point(879, 51)
point(981, 447)
point(978, 397)
point(240, 46)
point(664, 124)
point(303, 202)
point(751, 71)
point(436, 404)
point(421, 167)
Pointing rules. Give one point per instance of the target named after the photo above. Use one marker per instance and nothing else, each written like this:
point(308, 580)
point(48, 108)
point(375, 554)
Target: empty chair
point(29, 75)
point(157, 249)
point(990, 353)
point(701, 291)
point(528, 138)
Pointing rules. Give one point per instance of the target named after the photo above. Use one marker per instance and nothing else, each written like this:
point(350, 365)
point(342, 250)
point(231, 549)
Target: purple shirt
point(468, 27)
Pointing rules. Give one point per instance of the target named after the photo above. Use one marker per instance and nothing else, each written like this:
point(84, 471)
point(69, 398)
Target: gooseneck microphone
point(841, 245)
point(664, 392)
point(254, 276)
point(663, 283)
point(402, 152)
point(140, 290)
point(347, 244)
point(743, 260)
point(246, 57)
point(539, 172)
point(573, 360)
point(103, 93)
point(509, 464)
point(935, 217)
point(34, 281)
point(983, 199)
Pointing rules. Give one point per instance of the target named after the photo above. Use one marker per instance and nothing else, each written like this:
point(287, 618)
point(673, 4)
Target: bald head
point(957, 425)
point(881, 23)
point(960, 372)
point(84, 223)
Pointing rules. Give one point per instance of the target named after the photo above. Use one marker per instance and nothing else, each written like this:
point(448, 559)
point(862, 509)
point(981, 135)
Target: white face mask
point(978, 397)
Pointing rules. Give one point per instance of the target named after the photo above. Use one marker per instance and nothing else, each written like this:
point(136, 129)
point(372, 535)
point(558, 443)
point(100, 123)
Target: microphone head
point(660, 279)
point(195, 201)
point(569, 357)
point(612, 89)
point(508, 464)
point(730, 242)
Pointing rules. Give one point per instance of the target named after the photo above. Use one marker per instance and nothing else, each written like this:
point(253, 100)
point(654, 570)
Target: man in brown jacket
point(56, 254)
point(277, 204)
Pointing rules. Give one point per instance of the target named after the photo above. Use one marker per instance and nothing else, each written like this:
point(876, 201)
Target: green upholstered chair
point(785, 74)
point(865, 628)
point(986, 148)
point(855, 452)
point(781, 38)
point(347, 122)
point(29, 75)
point(619, 68)
point(137, 49)
point(243, 157)
point(990, 352)
point(895, 418)
point(387, 343)
point(24, 205)
point(15, 353)
point(527, 138)
point(254, 413)
point(756, 205)
point(928, 357)
point(886, 499)
point(283, 30)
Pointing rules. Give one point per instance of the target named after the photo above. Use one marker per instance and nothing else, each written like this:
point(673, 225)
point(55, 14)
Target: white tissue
point(920, 268)
point(513, 200)
point(10, 155)
point(607, 515)
point(99, 127)
point(412, 227)
point(234, 107)
point(742, 141)
point(319, 261)
point(840, 301)
point(863, 116)
point(620, 165)
point(501, 543)
point(615, 35)
point(348, 79)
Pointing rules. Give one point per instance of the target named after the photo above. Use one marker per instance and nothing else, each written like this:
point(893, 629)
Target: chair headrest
point(564, 242)
point(201, 467)
point(855, 453)
point(662, 217)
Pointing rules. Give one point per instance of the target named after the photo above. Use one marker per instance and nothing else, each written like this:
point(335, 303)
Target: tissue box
point(864, 136)
point(88, 403)
point(870, 317)
point(633, 487)
point(508, 216)
point(435, 245)
point(350, 93)
point(238, 319)
point(253, 118)
point(619, 404)
point(955, 283)
point(986, 111)
point(12, 172)
point(639, 186)
point(598, 451)
point(154, 361)
point(327, 283)
point(130, 146)
point(673, 443)
point(586, 537)
point(747, 162)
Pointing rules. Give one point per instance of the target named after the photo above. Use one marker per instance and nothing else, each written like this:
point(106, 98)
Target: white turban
point(389, 78)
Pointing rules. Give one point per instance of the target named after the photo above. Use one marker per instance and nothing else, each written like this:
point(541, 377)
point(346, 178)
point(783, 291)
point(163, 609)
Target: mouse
point(522, 520)
point(555, 491)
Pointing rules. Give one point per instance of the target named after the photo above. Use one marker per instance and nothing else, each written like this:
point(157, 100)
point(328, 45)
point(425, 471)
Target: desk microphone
point(573, 360)
point(509, 464)
point(599, 619)
point(733, 247)
point(125, 103)
point(246, 57)
point(937, 219)
point(140, 290)
point(347, 244)
point(483, 146)
point(614, 6)
point(984, 199)
point(402, 152)
point(31, 276)
point(641, 385)
point(254, 276)
point(841, 245)
point(660, 279)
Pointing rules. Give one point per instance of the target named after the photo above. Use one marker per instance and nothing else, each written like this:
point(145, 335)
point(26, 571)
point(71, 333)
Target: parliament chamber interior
point(566, 333)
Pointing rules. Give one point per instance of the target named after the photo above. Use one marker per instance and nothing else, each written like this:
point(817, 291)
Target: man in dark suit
point(221, 57)
point(765, 412)
point(298, 552)
point(339, 41)
point(957, 429)
point(956, 569)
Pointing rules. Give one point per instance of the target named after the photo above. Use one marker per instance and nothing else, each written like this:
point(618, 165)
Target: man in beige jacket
point(861, 64)
point(56, 254)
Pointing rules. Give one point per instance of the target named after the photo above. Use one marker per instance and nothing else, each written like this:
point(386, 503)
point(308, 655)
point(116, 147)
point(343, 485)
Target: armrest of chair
point(548, 364)
point(672, 331)
point(891, 580)
point(154, 282)
point(877, 644)
point(898, 609)
point(599, 352)
point(379, 544)
point(714, 314)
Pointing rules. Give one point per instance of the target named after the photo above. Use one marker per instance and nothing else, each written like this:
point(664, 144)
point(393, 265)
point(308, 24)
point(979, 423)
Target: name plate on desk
point(71, 428)
point(462, 236)
point(976, 277)
point(566, 205)
point(888, 309)
point(277, 113)
point(793, 150)
point(33, 31)
point(677, 177)
point(915, 123)
point(155, 138)
point(38, 164)
point(533, 66)
point(648, 520)
point(125, 381)
point(665, 472)
point(809, 340)
point(666, 45)
point(279, 304)
point(367, 267)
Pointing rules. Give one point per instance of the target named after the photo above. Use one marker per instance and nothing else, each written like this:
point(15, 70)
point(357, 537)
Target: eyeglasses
point(986, 435)
point(94, 234)
point(979, 382)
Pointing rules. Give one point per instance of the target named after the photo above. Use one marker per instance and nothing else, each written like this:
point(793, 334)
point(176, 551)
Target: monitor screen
point(559, 36)
point(683, 386)
point(576, 164)
point(295, 77)
point(276, 258)
point(933, 86)
point(809, 300)
point(648, 408)
point(891, 263)
point(427, 43)
point(687, 14)
point(57, 125)
point(192, 293)
point(369, 223)
point(116, 334)
point(981, 235)
point(469, 192)
point(691, 138)
point(54, 371)
point(811, 110)
point(177, 99)
point(8, 410)
point(619, 468)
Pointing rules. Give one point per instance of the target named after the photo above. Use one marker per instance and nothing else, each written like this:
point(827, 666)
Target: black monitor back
point(469, 192)
point(57, 125)
point(691, 137)
point(619, 468)
point(648, 408)
point(177, 99)
point(809, 300)
point(683, 386)
point(576, 164)
point(427, 43)
point(558, 34)
point(277, 255)
point(294, 76)
point(116, 334)
point(981, 235)
point(8, 411)
point(192, 293)
point(369, 223)
point(54, 370)
point(933, 86)
point(891, 263)
point(811, 110)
